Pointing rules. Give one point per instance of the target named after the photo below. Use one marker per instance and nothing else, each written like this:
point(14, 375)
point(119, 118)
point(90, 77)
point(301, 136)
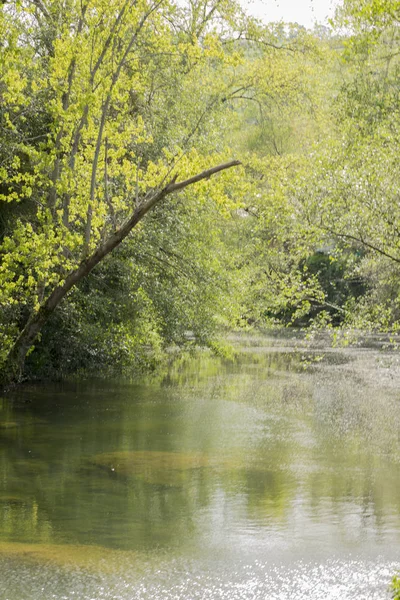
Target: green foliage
point(160, 289)
point(103, 104)
point(352, 196)
point(340, 195)
point(395, 588)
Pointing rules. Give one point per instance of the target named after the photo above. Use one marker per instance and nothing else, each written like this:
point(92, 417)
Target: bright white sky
point(305, 12)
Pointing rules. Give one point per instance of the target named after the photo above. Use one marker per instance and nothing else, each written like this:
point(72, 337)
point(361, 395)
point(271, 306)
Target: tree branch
point(348, 236)
point(15, 360)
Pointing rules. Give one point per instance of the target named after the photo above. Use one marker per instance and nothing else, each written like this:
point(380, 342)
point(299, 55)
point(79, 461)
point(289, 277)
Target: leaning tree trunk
point(12, 371)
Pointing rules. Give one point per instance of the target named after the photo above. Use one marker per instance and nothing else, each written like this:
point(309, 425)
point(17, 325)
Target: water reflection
point(252, 459)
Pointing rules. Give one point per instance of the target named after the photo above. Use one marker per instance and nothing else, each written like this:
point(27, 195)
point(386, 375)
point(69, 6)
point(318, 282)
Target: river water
point(269, 476)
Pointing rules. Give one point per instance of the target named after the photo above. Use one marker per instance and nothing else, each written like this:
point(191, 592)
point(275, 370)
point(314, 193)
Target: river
point(269, 476)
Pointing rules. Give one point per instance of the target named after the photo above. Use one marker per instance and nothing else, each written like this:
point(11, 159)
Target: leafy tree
point(351, 196)
point(158, 287)
point(107, 110)
point(341, 194)
point(102, 104)
point(276, 238)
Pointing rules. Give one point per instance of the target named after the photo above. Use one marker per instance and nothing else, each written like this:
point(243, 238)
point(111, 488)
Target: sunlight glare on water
point(331, 580)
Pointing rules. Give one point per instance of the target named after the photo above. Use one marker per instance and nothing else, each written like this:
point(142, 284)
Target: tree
point(282, 133)
point(351, 196)
point(339, 196)
point(101, 109)
point(170, 278)
point(108, 109)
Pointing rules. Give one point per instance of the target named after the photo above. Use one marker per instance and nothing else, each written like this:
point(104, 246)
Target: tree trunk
point(12, 371)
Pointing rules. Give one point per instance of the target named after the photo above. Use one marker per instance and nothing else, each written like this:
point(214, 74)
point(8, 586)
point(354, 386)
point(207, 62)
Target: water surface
point(251, 478)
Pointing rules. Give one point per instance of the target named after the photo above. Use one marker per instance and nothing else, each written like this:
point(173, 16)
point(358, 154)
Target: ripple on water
point(203, 580)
